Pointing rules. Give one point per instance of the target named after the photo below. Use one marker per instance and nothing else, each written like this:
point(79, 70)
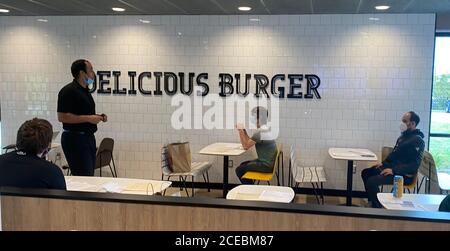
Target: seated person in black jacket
point(404, 159)
point(27, 167)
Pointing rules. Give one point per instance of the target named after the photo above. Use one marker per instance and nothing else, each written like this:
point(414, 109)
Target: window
point(439, 145)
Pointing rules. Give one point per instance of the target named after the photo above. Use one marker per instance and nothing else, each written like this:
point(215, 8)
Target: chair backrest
point(104, 153)
point(427, 168)
point(293, 161)
point(413, 182)
point(275, 163)
point(165, 166)
point(385, 151)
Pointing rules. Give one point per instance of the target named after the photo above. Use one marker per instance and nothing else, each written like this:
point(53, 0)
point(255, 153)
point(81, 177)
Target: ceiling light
point(254, 20)
point(244, 8)
point(382, 7)
point(144, 21)
point(42, 20)
point(4, 11)
point(374, 18)
point(118, 9)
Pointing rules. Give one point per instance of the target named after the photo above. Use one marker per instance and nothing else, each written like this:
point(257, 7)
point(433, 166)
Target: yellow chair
point(385, 151)
point(260, 176)
point(412, 185)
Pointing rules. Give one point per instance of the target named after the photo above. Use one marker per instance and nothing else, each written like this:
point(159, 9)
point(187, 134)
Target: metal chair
point(197, 168)
point(104, 156)
point(428, 171)
point(312, 174)
point(261, 176)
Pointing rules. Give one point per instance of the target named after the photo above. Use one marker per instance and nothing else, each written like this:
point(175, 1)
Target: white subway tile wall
point(372, 70)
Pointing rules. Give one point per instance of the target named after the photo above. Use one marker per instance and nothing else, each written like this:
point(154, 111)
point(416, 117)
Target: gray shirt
point(265, 148)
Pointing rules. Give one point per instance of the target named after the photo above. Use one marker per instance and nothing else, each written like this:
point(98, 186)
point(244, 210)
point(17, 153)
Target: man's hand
point(378, 166)
point(95, 119)
point(104, 117)
point(239, 126)
point(386, 172)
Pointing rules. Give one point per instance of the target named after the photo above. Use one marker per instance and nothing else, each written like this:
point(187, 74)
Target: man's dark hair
point(77, 66)
point(34, 136)
point(414, 117)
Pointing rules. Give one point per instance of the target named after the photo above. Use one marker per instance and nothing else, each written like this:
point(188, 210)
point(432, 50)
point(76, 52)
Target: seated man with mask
point(27, 167)
point(404, 159)
point(265, 146)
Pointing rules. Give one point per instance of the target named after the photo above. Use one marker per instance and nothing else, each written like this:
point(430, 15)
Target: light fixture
point(244, 8)
point(374, 19)
point(382, 7)
point(4, 11)
point(118, 9)
point(42, 20)
point(254, 19)
point(144, 21)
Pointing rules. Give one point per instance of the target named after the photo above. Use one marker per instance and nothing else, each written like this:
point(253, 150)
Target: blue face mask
point(89, 81)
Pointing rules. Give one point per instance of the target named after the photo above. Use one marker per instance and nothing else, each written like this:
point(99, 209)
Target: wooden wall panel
point(26, 213)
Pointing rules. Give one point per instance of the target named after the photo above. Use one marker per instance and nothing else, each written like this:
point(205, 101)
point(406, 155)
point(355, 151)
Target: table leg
point(225, 176)
point(349, 182)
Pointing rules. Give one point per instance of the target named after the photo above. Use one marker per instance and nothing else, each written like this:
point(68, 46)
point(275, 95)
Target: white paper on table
point(402, 205)
point(81, 186)
point(146, 188)
point(112, 187)
point(274, 196)
point(242, 195)
point(429, 207)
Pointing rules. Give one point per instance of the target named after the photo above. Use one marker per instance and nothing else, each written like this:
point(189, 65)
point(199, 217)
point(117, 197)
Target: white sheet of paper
point(112, 187)
point(274, 196)
point(81, 186)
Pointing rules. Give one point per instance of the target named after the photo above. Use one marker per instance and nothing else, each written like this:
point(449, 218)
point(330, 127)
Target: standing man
point(76, 110)
point(404, 159)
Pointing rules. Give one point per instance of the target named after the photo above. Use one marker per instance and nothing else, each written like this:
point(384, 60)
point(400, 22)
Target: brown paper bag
point(180, 157)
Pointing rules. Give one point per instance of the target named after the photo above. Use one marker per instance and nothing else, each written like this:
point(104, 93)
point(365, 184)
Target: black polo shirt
point(75, 99)
point(26, 171)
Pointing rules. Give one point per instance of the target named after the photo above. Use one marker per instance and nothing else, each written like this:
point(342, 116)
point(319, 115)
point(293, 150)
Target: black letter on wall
point(116, 90)
point(132, 75)
point(226, 80)
point(293, 85)
point(158, 76)
point(238, 84)
point(203, 84)
point(102, 82)
point(312, 85)
point(280, 88)
point(167, 77)
point(145, 74)
point(190, 84)
point(261, 84)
